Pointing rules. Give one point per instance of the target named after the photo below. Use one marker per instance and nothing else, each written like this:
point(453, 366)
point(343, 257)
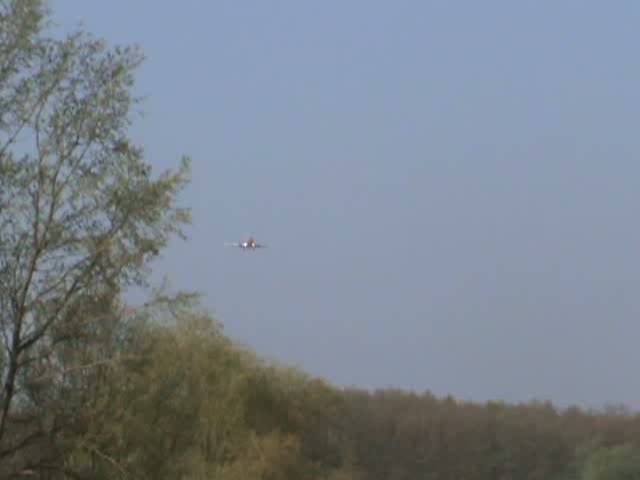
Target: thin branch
point(41, 100)
point(109, 459)
point(22, 444)
point(97, 363)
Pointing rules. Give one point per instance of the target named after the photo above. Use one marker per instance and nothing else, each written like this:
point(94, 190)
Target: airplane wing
point(231, 244)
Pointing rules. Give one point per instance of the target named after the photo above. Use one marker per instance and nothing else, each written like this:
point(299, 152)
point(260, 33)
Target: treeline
point(92, 389)
point(177, 399)
point(404, 435)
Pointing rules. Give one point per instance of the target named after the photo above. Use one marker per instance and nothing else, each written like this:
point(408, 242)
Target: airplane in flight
point(248, 244)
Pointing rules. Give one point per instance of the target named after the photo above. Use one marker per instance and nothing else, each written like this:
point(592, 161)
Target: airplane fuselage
point(250, 244)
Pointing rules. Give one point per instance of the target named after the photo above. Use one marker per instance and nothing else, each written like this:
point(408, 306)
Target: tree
point(621, 462)
point(81, 216)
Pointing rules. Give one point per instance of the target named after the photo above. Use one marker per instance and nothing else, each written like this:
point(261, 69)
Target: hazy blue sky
point(450, 190)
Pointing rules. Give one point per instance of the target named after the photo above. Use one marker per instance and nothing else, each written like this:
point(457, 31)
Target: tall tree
point(81, 216)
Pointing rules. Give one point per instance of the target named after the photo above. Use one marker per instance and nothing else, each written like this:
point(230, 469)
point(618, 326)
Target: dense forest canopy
point(92, 389)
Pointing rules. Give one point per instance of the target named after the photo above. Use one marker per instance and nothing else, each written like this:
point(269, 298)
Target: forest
point(94, 388)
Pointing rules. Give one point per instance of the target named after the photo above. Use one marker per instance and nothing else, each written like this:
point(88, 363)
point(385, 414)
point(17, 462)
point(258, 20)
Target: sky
point(448, 190)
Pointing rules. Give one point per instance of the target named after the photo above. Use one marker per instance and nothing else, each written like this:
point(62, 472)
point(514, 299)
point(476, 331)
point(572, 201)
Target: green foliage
point(155, 408)
point(185, 406)
point(621, 462)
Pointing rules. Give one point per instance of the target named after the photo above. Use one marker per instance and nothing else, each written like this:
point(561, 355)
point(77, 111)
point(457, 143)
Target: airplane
point(248, 244)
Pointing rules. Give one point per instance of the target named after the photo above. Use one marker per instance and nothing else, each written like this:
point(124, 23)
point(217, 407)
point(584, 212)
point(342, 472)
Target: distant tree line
point(92, 389)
